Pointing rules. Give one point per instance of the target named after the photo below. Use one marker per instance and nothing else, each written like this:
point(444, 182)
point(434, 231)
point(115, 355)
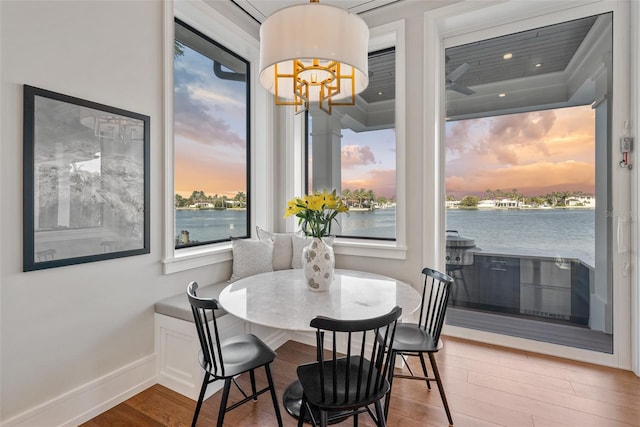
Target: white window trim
point(455, 25)
point(207, 20)
point(382, 37)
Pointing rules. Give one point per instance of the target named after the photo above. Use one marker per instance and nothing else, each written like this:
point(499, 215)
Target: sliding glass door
point(528, 183)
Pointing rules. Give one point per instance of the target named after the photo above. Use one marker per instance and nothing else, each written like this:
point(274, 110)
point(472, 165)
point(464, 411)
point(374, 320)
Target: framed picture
point(86, 181)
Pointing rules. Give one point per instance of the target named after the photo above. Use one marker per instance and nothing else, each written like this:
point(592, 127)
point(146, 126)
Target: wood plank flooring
point(486, 386)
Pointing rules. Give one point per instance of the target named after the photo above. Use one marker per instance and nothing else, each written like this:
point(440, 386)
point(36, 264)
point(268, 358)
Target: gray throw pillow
point(251, 257)
point(282, 247)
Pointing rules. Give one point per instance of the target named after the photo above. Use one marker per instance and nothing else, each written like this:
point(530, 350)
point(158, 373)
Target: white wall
point(65, 328)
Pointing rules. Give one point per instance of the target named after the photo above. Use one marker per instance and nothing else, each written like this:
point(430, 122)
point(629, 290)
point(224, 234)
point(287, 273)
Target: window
point(354, 151)
point(211, 140)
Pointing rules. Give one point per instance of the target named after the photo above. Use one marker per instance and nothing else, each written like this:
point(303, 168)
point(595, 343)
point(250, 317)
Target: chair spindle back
point(204, 317)
point(435, 296)
point(349, 376)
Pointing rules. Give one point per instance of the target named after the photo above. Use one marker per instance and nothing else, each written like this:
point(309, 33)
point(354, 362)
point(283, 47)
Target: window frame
point(178, 21)
point(213, 24)
point(383, 37)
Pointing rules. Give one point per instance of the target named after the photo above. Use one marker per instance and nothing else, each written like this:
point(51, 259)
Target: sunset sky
point(535, 153)
point(369, 161)
point(210, 129)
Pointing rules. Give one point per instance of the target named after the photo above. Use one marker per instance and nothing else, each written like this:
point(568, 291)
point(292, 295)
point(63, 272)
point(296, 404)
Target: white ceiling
point(261, 9)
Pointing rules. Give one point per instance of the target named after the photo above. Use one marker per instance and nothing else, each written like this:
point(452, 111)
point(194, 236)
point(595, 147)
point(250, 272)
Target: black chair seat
point(241, 354)
point(410, 337)
point(348, 397)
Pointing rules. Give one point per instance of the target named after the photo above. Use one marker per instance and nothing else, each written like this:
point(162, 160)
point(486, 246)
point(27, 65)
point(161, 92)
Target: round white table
point(280, 299)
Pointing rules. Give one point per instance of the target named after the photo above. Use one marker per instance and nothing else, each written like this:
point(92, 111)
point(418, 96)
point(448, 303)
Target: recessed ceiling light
point(507, 56)
point(538, 65)
point(380, 93)
point(502, 95)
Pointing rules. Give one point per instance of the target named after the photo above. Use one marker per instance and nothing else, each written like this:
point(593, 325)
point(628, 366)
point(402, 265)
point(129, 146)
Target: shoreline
point(187, 208)
point(523, 208)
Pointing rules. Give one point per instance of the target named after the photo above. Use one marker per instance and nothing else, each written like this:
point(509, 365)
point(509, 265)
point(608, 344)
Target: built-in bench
point(176, 340)
point(177, 345)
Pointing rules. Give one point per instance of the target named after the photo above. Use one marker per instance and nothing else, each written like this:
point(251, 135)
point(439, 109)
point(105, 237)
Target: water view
point(566, 233)
point(560, 233)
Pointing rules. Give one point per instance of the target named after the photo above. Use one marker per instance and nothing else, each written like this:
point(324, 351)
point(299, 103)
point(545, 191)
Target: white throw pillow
point(299, 242)
point(282, 247)
point(251, 257)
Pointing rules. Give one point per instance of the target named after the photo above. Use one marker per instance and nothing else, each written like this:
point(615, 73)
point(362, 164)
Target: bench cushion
point(178, 306)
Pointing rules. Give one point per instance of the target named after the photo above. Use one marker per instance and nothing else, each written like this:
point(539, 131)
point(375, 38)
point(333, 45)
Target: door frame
point(466, 22)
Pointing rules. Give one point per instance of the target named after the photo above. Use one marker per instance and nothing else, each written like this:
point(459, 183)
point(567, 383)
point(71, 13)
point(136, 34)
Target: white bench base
point(177, 347)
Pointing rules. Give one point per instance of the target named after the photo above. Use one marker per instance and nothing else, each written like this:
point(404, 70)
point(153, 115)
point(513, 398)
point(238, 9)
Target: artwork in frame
point(86, 181)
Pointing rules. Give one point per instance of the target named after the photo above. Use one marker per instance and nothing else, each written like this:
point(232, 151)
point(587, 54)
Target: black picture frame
point(86, 181)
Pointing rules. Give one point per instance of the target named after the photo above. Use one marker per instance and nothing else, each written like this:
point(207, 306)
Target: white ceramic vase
point(318, 263)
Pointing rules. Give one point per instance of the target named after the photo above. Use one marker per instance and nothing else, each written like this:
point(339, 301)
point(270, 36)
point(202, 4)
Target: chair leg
point(303, 410)
point(324, 418)
point(436, 374)
point(223, 403)
point(252, 376)
point(382, 418)
point(390, 379)
point(424, 370)
point(272, 389)
point(203, 389)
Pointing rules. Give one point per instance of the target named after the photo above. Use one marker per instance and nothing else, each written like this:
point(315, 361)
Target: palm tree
point(370, 196)
point(346, 196)
point(358, 195)
point(240, 199)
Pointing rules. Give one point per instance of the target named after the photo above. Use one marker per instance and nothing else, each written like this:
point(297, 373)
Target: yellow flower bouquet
point(316, 212)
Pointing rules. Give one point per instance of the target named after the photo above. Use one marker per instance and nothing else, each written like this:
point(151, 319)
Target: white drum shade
point(313, 31)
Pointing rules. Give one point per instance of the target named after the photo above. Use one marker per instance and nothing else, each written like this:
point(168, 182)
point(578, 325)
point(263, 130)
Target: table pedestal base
point(292, 400)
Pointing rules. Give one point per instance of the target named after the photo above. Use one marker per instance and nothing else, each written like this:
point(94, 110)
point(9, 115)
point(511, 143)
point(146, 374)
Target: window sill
point(188, 258)
point(370, 248)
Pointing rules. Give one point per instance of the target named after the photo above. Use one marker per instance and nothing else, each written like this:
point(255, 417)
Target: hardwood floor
point(485, 385)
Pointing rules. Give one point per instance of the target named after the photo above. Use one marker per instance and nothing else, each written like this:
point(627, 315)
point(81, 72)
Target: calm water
point(566, 233)
point(379, 223)
point(208, 225)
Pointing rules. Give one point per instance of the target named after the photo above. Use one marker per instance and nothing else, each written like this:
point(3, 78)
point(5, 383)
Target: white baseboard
point(91, 399)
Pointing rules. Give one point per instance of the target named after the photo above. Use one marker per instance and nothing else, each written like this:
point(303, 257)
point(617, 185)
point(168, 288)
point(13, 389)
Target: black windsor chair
point(417, 339)
point(344, 385)
point(224, 359)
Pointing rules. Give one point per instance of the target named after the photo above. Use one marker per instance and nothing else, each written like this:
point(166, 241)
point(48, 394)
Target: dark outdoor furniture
point(342, 385)
point(224, 359)
point(424, 338)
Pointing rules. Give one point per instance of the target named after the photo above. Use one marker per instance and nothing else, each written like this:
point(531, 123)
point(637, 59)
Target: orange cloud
point(535, 179)
point(222, 177)
point(382, 182)
point(534, 152)
point(356, 155)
